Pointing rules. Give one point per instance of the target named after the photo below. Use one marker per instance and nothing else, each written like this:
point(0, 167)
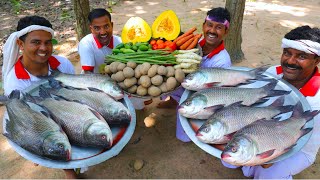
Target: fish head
point(192, 106)
point(194, 81)
point(99, 134)
point(57, 146)
point(124, 116)
point(239, 150)
point(211, 131)
point(112, 89)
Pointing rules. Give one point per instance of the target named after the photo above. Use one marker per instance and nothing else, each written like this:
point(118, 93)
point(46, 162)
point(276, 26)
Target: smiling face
point(298, 65)
point(214, 32)
point(102, 28)
point(37, 47)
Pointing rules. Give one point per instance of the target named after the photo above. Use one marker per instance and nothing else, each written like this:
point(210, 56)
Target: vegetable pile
point(145, 79)
point(188, 40)
point(188, 61)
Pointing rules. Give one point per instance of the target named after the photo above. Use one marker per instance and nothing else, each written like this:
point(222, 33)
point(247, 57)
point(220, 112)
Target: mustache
point(292, 66)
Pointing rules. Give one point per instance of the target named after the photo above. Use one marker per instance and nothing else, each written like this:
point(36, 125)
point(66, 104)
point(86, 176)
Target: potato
point(162, 70)
point(157, 80)
point(154, 91)
point(113, 76)
point(133, 89)
point(145, 67)
point(121, 66)
point(145, 81)
point(121, 84)
point(179, 75)
point(113, 67)
point(153, 70)
point(128, 72)
point(107, 69)
point(170, 71)
point(137, 73)
point(130, 82)
point(163, 87)
point(131, 64)
point(119, 76)
point(171, 83)
point(142, 90)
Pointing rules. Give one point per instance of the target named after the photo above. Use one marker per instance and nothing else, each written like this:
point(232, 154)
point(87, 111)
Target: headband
point(11, 49)
point(307, 46)
point(224, 22)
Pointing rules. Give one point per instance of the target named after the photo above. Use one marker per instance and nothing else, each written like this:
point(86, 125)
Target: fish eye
point(188, 103)
point(60, 146)
point(50, 150)
point(206, 130)
point(233, 149)
point(103, 137)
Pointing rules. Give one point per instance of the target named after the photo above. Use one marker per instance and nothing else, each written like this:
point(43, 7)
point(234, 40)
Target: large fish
point(34, 131)
point(83, 125)
point(114, 112)
point(219, 128)
point(217, 77)
point(265, 140)
point(202, 104)
point(93, 82)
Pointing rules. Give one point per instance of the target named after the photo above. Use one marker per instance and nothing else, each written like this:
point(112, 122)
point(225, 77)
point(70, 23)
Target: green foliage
point(54, 41)
point(16, 5)
point(65, 15)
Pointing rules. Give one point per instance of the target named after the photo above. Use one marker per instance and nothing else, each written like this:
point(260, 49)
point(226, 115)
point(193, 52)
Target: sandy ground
point(265, 23)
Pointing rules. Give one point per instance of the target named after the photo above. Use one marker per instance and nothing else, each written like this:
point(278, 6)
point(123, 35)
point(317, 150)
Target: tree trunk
point(234, 39)
point(81, 11)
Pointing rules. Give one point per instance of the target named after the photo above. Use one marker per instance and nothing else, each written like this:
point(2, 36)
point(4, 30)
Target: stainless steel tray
point(190, 126)
point(83, 157)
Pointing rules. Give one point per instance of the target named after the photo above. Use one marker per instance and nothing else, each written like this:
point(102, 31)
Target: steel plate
point(191, 126)
point(83, 157)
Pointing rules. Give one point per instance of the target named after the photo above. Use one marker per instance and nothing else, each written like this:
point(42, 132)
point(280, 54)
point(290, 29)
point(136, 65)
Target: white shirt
point(19, 78)
point(93, 53)
point(311, 91)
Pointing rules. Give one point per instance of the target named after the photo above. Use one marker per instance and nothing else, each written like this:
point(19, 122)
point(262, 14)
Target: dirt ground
point(265, 23)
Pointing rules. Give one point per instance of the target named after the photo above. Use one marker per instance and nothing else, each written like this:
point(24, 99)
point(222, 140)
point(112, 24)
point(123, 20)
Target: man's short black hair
point(96, 13)
point(304, 33)
point(32, 20)
point(219, 13)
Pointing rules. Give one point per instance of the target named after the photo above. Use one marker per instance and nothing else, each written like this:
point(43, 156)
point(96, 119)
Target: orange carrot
point(190, 31)
point(184, 39)
point(186, 44)
point(194, 42)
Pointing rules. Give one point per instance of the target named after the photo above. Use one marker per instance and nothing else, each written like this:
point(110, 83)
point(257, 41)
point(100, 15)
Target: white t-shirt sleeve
point(65, 66)
point(86, 53)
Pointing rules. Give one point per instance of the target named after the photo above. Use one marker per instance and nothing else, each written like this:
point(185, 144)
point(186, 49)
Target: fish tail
point(285, 109)
point(278, 102)
point(55, 83)
point(15, 94)
point(258, 72)
point(304, 132)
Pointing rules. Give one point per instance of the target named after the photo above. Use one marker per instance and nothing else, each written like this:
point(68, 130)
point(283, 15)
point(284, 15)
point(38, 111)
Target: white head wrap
point(307, 46)
point(11, 48)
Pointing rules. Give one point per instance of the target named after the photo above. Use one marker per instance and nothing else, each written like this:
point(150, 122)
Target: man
point(94, 47)
point(34, 38)
point(299, 60)
point(215, 27)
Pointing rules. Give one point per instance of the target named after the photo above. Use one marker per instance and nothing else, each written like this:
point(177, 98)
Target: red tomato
point(172, 46)
point(159, 41)
point(161, 46)
point(154, 47)
point(152, 42)
point(167, 42)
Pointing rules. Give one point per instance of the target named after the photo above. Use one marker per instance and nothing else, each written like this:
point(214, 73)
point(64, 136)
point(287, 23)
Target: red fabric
point(53, 62)
point(279, 70)
point(21, 73)
point(88, 68)
point(99, 45)
point(215, 51)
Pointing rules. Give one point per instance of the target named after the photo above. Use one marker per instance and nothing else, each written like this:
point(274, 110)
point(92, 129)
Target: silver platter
point(83, 157)
point(190, 126)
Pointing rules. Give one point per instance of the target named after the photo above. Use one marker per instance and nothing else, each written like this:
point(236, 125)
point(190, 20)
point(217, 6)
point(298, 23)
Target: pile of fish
point(231, 116)
point(67, 112)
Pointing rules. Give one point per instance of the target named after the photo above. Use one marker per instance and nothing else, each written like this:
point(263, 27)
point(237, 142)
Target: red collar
point(99, 45)
point(311, 87)
point(22, 73)
point(215, 51)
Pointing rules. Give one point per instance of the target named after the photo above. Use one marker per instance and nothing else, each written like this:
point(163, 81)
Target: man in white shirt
point(299, 60)
point(94, 47)
point(34, 38)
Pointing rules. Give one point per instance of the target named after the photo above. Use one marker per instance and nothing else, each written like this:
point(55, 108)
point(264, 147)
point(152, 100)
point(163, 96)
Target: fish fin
point(210, 85)
point(305, 131)
point(285, 109)
point(265, 154)
point(236, 104)
point(73, 88)
point(229, 136)
point(15, 94)
point(258, 72)
point(289, 148)
point(214, 108)
point(44, 93)
point(98, 115)
point(51, 115)
point(273, 93)
point(95, 89)
point(269, 88)
point(278, 102)
point(261, 101)
point(46, 114)
point(28, 98)
point(276, 118)
point(55, 83)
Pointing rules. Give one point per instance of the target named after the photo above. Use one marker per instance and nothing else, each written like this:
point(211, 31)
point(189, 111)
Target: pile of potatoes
point(145, 79)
